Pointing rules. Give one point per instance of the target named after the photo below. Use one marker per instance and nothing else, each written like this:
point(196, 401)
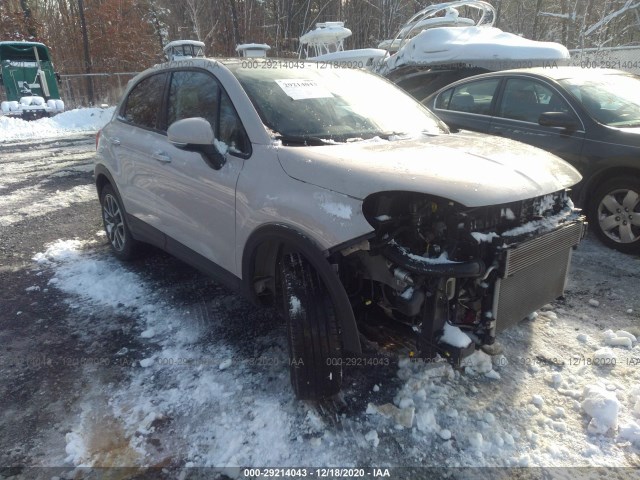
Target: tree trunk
point(28, 19)
point(234, 19)
point(87, 54)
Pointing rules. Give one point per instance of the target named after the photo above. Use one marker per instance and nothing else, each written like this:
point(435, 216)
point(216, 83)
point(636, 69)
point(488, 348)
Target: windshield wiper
point(302, 140)
point(388, 135)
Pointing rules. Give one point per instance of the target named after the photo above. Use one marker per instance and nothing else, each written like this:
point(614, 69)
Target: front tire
point(115, 225)
point(312, 330)
point(615, 214)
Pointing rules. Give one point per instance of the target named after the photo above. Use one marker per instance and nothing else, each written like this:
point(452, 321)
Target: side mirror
point(196, 135)
point(559, 119)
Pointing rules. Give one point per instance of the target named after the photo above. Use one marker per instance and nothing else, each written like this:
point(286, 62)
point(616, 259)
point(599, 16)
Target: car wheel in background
point(113, 217)
point(312, 329)
point(615, 213)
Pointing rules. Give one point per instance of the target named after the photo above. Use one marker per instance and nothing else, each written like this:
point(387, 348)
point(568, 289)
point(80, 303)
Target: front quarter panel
point(266, 195)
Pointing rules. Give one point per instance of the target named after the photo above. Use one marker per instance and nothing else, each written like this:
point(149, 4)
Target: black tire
point(614, 214)
point(312, 329)
point(115, 225)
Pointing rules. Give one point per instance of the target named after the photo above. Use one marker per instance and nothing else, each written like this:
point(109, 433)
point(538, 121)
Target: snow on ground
point(71, 121)
point(28, 177)
point(561, 393)
point(221, 414)
point(15, 210)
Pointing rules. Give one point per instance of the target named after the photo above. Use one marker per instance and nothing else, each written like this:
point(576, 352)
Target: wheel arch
point(260, 259)
point(103, 177)
point(599, 178)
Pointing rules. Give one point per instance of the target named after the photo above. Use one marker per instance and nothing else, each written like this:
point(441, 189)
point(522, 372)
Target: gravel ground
point(63, 405)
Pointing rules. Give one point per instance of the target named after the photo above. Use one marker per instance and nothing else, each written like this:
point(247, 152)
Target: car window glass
point(611, 99)
point(341, 105)
point(231, 131)
point(193, 94)
point(473, 97)
point(443, 99)
point(143, 103)
point(525, 99)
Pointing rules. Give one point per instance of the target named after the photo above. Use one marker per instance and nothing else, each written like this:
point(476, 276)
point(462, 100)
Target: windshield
point(613, 100)
point(333, 105)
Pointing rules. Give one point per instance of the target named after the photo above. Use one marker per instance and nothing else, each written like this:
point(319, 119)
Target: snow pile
point(619, 338)
point(472, 44)
point(90, 277)
point(72, 121)
point(479, 363)
point(455, 337)
point(602, 406)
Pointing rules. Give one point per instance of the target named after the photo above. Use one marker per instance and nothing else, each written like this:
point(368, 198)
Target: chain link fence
point(84, 90)
point(619, 58)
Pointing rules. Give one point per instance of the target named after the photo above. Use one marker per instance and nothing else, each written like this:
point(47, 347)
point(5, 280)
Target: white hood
point(469, 168)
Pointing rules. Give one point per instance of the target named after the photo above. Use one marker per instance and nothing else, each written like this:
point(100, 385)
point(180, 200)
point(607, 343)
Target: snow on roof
point(328, 32)
point(252, 46)
point(469, 44)
point(358, 55)
point(20, 42)
point(177, 43)
point(451, 19)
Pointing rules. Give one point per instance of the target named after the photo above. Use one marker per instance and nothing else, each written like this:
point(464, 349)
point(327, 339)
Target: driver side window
point(198, 94)
point(193, 94)
point(525, 100)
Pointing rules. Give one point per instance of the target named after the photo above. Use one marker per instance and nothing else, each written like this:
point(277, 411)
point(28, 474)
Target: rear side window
point(473, 97)
point(144, 102)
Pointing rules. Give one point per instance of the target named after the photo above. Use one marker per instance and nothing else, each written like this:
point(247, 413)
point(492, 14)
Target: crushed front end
point(460, 275)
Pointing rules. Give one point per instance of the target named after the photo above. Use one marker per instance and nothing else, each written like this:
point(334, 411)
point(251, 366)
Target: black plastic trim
point(286, 235)
point(203, 264)
point(469, 269)
point(144, 232)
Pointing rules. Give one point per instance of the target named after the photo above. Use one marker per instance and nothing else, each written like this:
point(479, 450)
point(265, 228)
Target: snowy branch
point(563, 16)
point(627, 8)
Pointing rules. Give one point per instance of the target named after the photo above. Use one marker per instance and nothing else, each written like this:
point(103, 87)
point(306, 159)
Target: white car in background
point(340, 198)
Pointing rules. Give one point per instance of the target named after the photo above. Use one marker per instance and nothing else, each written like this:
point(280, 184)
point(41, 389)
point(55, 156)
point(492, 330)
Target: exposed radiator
point(535, 273)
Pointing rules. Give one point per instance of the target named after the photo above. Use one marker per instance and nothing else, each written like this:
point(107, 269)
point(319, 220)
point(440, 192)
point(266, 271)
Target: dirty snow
point(215, 410)
point(549, 399)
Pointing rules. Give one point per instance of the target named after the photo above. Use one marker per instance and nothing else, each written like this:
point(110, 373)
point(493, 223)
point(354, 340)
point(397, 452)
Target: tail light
point(98, 138)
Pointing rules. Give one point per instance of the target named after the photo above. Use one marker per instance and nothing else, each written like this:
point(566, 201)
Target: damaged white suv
point(338, 197)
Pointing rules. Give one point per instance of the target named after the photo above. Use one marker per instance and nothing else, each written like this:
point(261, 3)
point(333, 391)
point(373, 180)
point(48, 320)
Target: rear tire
point(312, 329)
point(115, 225)
point(615, 214)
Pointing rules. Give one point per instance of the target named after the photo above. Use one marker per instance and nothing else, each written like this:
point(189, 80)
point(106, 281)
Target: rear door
point(134, 139)
point(519, 107)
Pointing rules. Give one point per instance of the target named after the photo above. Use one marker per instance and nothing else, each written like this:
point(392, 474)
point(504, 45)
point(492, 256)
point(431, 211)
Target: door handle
point(161, 157)
point(115, 141)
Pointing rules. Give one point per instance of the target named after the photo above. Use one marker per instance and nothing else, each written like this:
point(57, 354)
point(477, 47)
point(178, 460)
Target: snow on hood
point(469, 168)
point(72, 121)
point(472, 44)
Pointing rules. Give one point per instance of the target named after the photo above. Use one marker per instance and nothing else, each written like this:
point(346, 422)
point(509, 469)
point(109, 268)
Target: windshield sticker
point(300, 89)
